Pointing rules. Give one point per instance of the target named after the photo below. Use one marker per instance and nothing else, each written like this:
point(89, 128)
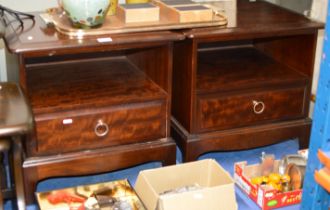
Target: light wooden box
point(193, 13)
point(133, 13)
point(184, 11)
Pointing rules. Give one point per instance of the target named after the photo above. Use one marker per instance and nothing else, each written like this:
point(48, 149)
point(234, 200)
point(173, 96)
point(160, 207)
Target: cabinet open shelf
point(241, 68)
point(80, 84)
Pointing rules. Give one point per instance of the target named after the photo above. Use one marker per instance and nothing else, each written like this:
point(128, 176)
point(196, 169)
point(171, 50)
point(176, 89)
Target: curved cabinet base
point(95, 161)
point(194, 145)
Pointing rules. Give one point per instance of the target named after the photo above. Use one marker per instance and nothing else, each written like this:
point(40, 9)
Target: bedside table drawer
point(236, 110)
point(97, 128)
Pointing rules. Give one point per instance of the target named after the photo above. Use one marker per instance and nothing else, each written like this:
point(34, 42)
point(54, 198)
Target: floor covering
point(226, 159)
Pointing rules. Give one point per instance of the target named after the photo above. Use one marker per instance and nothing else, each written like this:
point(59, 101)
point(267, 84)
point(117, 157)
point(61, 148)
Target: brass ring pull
point(101, 129)
point(258, 107)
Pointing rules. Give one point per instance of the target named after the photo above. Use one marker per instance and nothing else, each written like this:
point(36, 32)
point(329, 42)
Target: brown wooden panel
point(193, 145)
point(184, 78)
point(76, 131)
point(296, 52)
point(156, 63)
point(81, 84)
point(95, 162)
point(223, 112)
point(241, 67)
point(291, 52)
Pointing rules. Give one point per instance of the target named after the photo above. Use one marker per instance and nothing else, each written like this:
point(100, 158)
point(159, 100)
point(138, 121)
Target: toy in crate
point(117, 195)
point(272, 183)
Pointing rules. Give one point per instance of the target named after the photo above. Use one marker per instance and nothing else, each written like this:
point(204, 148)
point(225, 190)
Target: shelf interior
point(89, 83)
point(241, 68)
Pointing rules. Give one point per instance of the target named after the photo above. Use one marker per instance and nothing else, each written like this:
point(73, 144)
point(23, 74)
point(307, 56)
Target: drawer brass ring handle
point(101, 129)
point(258, 107)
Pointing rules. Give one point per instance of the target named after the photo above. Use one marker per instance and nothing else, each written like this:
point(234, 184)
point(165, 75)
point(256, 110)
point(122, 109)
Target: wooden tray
point(114, 25)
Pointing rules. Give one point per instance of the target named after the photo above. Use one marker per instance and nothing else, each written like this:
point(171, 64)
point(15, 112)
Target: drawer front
point(106, 127)
point(230, 111)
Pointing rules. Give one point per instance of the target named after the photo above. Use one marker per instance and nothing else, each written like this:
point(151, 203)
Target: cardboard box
point(215, 192)
point(109, 196)
point(265, 197)
point(132, 13)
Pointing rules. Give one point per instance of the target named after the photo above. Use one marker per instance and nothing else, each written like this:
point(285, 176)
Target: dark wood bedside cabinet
point(246, 85)
point(98, 106)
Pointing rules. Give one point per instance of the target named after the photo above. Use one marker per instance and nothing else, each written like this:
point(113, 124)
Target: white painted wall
point(29, 5)
point(6, 60)
point(3, 72)
point(299, 6)
point(319, 12)
point(32, 5)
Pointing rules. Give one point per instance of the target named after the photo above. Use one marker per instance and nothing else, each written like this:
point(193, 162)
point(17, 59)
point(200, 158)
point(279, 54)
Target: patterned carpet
point(226, 159)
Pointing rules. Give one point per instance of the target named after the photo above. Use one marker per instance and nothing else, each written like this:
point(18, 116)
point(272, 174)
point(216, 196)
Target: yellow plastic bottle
point(113, 7)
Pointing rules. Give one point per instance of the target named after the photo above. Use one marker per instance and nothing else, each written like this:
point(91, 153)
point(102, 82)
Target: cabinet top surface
point(248, 19)
point(15, 114)
point(256, 19)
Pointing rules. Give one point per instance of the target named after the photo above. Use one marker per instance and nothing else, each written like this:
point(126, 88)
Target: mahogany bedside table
point(245, 85)
point(98, 106)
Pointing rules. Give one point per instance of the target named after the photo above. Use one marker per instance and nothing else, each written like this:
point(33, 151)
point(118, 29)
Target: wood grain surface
point(265, 57)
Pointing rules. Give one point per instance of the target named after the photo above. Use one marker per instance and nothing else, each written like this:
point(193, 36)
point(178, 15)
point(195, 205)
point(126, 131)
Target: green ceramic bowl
point(86, 13)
